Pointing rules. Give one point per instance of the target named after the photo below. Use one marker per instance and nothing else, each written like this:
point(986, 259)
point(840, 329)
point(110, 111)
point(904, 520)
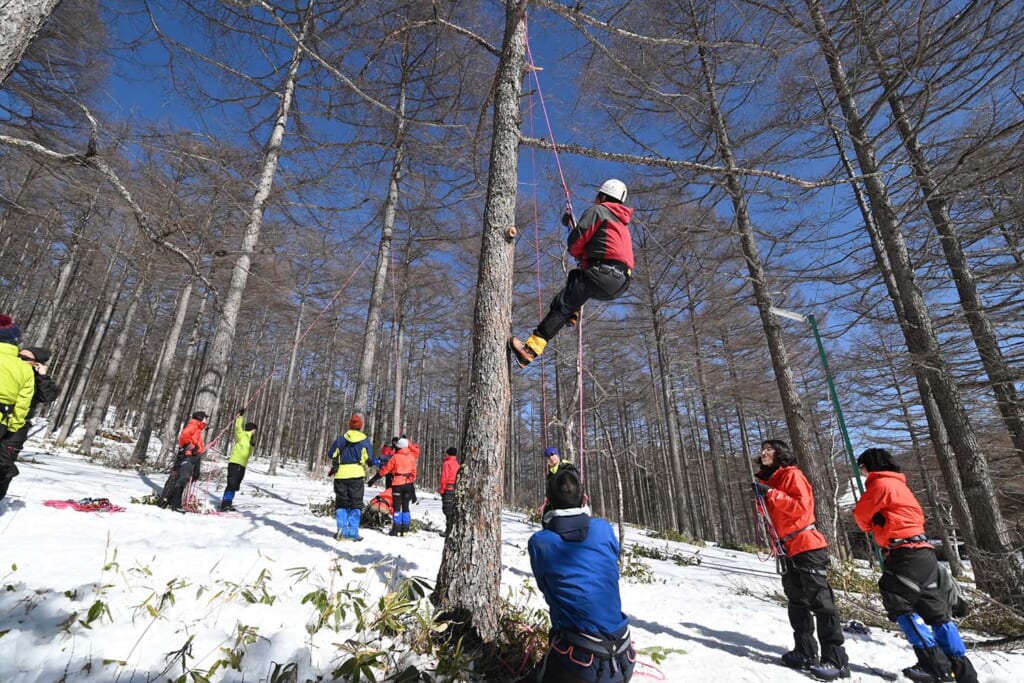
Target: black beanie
point(565, 490)
point(877, 460)
point(199, 415)
point(452, 451)
point(39, 353)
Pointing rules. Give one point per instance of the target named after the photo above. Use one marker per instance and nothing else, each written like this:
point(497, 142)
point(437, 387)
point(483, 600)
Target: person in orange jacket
point(186, 465)
point(449, 474)
point(789, 501)
point(403, 466)
point(910, 581)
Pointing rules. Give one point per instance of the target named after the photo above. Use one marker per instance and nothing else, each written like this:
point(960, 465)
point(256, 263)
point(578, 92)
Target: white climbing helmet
point(614, 188)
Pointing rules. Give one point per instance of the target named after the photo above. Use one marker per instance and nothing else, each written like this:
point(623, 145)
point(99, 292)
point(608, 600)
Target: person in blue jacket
point(349, 454)
point(575, 560)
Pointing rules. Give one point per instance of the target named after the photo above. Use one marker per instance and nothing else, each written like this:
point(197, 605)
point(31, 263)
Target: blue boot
point(341, 517)
point(354, 517)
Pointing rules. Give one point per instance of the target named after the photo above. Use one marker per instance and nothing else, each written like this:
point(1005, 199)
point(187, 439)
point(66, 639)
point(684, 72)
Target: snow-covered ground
point(118, 596)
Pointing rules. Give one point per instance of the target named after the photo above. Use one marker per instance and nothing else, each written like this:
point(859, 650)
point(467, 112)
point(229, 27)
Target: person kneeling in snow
point(575, 559)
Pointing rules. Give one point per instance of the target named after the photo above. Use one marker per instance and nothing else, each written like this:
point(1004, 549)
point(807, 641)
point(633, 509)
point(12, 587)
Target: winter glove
point(567, 220)
point(373, 480)
point(760, 488)
point(878, 519)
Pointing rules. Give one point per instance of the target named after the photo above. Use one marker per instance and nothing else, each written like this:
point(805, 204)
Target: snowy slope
point(155, 579)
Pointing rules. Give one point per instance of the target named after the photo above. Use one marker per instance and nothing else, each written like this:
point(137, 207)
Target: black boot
point(932, 665)
point(395, 528)
point(963, 670)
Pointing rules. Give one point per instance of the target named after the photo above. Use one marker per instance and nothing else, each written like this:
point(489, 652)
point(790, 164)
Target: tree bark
point(20, 21)
point(469, 579)
point(211, 384)
point(997, 563)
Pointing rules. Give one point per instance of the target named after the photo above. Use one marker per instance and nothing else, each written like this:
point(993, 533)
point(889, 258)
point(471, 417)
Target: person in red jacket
point(449, 474)
point(602, 245)
point(789, 501)
point(910, 581)
point(403, 466)
point(186, 465)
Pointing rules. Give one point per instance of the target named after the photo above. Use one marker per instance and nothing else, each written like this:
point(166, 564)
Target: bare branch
point(91, 159)
point(661, 162)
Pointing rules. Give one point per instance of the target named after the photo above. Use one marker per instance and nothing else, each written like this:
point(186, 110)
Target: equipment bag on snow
point(951, 591)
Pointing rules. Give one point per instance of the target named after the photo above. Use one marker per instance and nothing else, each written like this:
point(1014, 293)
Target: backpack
point(951, 591)
point(350, 453)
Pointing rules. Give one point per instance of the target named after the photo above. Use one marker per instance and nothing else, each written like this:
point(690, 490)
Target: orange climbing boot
point(526, 352)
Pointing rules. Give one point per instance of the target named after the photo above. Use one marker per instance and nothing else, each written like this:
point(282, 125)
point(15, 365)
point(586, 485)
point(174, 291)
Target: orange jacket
point(887, 493)
point(403, 465)
point(790, 504)
point(191, 438)
point(449, 473)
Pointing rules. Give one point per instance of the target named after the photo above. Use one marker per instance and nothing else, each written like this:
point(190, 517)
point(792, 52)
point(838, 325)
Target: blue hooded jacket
point(575, 560)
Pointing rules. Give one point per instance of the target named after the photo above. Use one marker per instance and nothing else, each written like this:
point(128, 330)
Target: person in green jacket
point(17, 387)
point(349, 454)
point(238, 461)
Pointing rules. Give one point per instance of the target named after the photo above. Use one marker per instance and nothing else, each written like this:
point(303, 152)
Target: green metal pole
point(835, 403)
point(842, 425)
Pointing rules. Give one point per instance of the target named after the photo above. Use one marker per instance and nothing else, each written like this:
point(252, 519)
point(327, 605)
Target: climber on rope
point(603, 247)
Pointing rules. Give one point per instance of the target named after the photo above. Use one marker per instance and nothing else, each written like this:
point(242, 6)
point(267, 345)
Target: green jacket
point(17, 385)
point(242, 449)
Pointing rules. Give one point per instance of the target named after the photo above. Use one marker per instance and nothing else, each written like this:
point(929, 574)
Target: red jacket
point(191, 438)
point(790, 504)
point(403, 465)
point(449, 472)
point(887, 493)
point(602, 234)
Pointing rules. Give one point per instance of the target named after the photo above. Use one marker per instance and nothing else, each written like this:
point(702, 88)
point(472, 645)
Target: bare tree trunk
point(21, 21)
point(99, 406)
point(1000, 374)
point(997, 563)
point(937, 430)
point(174, 406)
point(469, 579)
point(792, 404)
point(99, 330)
point(396, 418)
point(282, 422)
point(715, 451)
point(212, 380)
point(163, 367)
point(380, 274)
point(675, 492)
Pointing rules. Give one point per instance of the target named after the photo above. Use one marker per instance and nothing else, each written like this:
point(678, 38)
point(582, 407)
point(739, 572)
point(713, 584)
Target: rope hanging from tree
point(534, 70)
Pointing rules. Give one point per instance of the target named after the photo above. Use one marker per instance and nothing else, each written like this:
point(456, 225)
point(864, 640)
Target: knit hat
point(9, 332)
point(39, 354)
point(356, 421)
point(402, 443)
point(452, 451)
point(199, 415)
point(548, 452)
point(877, 460)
